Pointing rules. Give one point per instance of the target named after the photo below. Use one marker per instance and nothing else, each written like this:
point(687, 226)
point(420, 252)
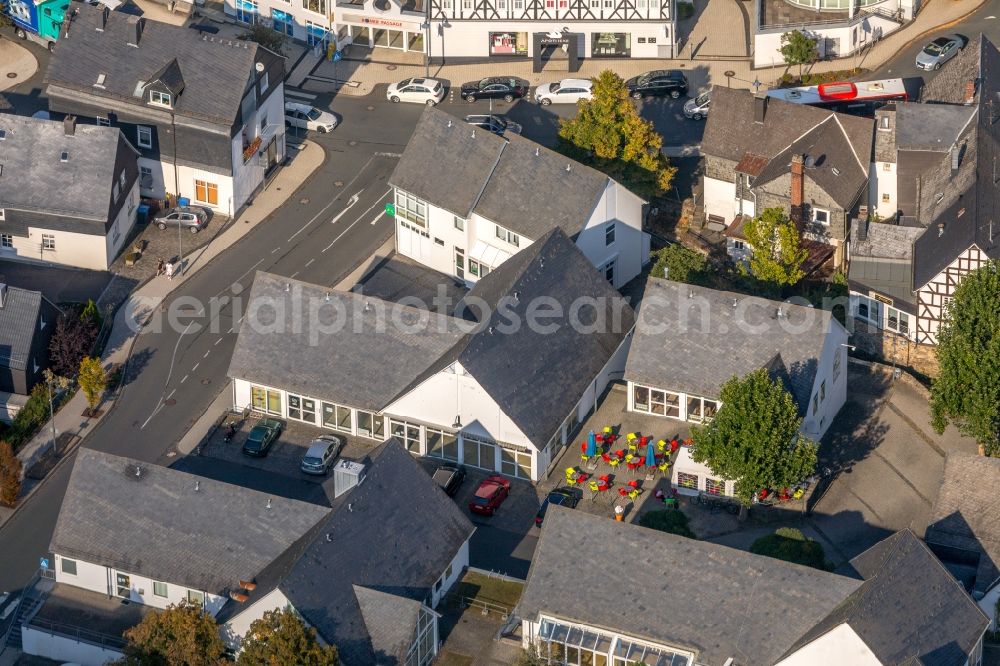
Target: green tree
point(678, 263)
point(790, 545)
point(5, 21)
point(754, 437)
point(967, 389)
point(182, 635)
point(263, 35)
point(10, 475)
point(93, 380)
point(279, 638)
point(608, 134)
point(671, 521)
point(798, 48)
point(775, 245)
point(91, 313)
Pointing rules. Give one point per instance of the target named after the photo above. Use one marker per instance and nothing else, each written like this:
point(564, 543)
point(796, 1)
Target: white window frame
point(610, 231)
point(870, 304)
point(6, 241)
point(3, 213)
point(48, 242)
point(166, 589)
point(459, 223)
point(900, 315)
point(158, 98)
point(148, 131)
point(264, 82)
point(508, 236)
point(411, 209)
point(62, 566)
point(815, 216)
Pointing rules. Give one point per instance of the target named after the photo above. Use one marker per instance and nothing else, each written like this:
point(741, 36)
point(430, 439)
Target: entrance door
point(271, 155)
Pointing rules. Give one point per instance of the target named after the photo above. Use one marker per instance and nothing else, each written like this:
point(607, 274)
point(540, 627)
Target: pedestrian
point(170, 270)
point(160, 268)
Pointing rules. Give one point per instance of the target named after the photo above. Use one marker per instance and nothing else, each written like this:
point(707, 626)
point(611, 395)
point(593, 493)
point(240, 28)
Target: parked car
point(566, 91)
point(309, 117)
point(697, 108)
point(660, 82)
point(191, 217)
point(507, 88)
point(261, 437)
point(490, 495)
point(321, 454)
point(939, 51)
point(496, 124)
point(565, 496)
point(421, 91)
point(449, 476)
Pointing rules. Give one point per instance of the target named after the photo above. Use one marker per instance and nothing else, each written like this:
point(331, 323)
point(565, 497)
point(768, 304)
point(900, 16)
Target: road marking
point(171, 394)
point(230, 330)
point(377, 218)
point(379, 201)
point(990, 17)
point(310, 262)
point(219, 340)
point(173, 359)
point(195, 367)
point(335, 199)
point(292, 276)
point(183, 379)
point(207, 353)
point(350, 202)
point(275, 250)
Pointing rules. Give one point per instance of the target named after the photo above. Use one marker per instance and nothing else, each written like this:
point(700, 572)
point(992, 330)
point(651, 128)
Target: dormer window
point(159, 98)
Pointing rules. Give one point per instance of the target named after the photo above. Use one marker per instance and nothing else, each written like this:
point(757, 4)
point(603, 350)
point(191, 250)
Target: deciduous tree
point(754, 438)
point(967, 389)
point(609, 134)
point(93, 380)
point(71, 341)
point(775, 245)
point(281, 637)
point(10, 475)
point(182, 635)
point(265, 36)
point(798, 48)
point(678, 263)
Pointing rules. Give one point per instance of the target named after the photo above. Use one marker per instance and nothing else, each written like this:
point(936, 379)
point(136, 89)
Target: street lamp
point(426, 27)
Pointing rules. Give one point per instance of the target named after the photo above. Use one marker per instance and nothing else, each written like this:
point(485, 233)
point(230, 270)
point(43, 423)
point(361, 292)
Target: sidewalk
point(361, 77)
point(16, 60)
point(69, 422)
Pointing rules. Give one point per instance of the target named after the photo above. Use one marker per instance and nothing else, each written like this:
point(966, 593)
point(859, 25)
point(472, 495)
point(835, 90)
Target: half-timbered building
point(942, 172)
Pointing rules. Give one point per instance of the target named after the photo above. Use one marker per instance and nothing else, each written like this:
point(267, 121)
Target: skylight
point(101, 78)
point(64, 156)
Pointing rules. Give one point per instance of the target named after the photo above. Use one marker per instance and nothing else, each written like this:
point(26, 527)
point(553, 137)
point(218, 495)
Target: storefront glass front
point(282, 22)
point(316, 34)
point(611, 44)
point(508, 43)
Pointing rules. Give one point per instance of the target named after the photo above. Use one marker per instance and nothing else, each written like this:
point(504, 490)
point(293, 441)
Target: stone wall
point(886, 345)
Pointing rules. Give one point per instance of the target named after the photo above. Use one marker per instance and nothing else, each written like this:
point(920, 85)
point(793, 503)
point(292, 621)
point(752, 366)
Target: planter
point(131, 258)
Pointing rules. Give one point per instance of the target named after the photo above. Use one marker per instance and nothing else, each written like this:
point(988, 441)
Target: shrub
point(685, 10)
point(72, 340)
point(670, 521)
point(790, 545)
point(678, 263)
point(31, 417)
point(10, 475)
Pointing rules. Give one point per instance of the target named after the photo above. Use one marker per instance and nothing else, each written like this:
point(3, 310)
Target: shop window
point(301, 409)
point(611, 44)
point(685, 480)
point(715, 486)
point(478, 453)
point(371, 425)
point(515, 463)
point(441, 444)
point(509, 43)
point(265, 400)
point(406, 433)
point(337, 417)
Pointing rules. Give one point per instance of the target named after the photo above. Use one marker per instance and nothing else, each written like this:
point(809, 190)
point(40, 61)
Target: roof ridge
point(849, 142)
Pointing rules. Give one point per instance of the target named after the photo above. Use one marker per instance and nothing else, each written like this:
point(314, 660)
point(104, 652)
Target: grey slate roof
point(715, 601)
point(391, 621)
point(964, 515)
point(537, 377)
point(501, 179)
point(948, 86)
point(730, 131)
point(882, 261)
point(837, 169)
point(910, 610)
point(215, 72)
point(672, 349)
point(379, 543)
point(885, 139)
point(158, 524)
point(930, 127)
point(18, 325)
point(366, 362)
point(35, 180)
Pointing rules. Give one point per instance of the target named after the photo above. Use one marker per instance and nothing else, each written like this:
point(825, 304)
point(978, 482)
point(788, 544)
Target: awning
point(489, 255)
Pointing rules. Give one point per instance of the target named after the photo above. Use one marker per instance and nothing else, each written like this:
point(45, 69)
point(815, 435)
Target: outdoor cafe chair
point(661, 445)
point(570, 473)
point(635, 492)
point(614, 462)
point(594, 489)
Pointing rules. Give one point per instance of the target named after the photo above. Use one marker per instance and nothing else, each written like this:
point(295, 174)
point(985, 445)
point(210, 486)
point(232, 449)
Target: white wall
point(103, 580)
point(617, 204)
point(120, 228)
point(458, 565)
point(767, 44)
point(248, 176)
point(720, 199)
point(883, 181)
point(63, 649)
point(685, 463)
point(815, 425)
point(838, 647)
point(72, 249)
point(233, 631)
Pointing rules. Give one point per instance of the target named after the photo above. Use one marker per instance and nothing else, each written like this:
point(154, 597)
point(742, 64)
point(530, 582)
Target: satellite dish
point(810, 161)
point(259, 66)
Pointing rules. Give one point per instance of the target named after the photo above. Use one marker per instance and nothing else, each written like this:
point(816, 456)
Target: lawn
point(488, 589)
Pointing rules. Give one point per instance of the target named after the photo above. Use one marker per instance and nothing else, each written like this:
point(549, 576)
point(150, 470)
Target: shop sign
point(379, 22)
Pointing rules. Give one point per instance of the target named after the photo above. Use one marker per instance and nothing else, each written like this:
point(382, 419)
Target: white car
point(421, 91)
point(567, 91)
point(309, 117)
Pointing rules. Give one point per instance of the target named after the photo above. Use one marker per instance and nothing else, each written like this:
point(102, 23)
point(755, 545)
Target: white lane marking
point(357, 220)
point(171, 394)
point(173, 359)
point(230, 330)
point(292, 276)
point(275, 249)
point(346, 189)
point(207, 353)
point(377, 218)
point(183, 379)
point(218, 341)
point(310, 262)
point(350, 202)
point(195, 367)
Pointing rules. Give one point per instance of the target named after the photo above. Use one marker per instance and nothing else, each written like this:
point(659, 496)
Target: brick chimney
point(759, 108)
point(69, 125)
point(970, 91)
point(797, 194)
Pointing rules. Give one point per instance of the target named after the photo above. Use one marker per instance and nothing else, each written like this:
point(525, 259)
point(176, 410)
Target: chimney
point(239, 597)
point(102, 18)
point(759, 108)
point(69, 125)
point(863, 228)
point(798, 188)
point(3, 295)
point(970, 91)
point(134, 30)
point(248, 585)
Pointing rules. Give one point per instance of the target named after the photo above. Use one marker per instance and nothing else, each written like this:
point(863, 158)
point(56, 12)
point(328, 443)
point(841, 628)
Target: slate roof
point(929, 127)
point(672, 349)
point(730, 131)
point(214, 71)
point(511, 181)
point(964, 515)
point(882, 261)
point(362, 359)
point(174, 526)
point(948, 86)
point(537, 377)
point(371, 547)
point(34, 178)
point(885, 139)
point(909, 610)
point(18, 325)
point(715, 601)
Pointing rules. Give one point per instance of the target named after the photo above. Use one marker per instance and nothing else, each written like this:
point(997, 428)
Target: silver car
point(321, 454)
point(191, 217)
point(940, 51)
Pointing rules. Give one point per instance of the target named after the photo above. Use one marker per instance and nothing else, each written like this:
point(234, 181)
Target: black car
point(496, 124)
point(507, 88)
point(449, 477)
point(565, 496)
point(261, 437)
point(661, 82)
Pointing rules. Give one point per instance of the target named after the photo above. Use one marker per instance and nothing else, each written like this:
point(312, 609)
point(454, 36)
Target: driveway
point(885, 462)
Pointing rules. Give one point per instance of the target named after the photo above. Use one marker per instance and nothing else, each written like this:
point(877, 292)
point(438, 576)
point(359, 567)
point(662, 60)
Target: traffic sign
point(390, 210)
point(43, 562)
